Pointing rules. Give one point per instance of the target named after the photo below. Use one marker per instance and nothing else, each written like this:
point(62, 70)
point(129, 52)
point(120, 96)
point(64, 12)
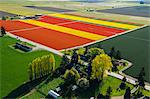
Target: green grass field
point(134, 46)
point(14, 65)
point(114, 84)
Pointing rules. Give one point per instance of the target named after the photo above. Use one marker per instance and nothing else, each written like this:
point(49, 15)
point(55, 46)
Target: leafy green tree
point(83, 83)
point(3, 18)
point(52, 62)
point(95, 51)
point(41, 66)
point(71, 75)
point(30, 71)
point(100, 65)
point(81, 51)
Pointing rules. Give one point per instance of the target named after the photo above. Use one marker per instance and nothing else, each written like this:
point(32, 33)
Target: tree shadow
point(25, 88)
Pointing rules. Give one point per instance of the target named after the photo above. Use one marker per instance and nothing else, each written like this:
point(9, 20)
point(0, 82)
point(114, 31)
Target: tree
point(124, 79)
point(86, 50)
point(30, 71)
point(65, 61)
point(41, 66)
point(95, 51)
point(141, 82)
point(71, 75)
point(3, 32)
point(3, 18)
point(100, 65)
point(127, 94)
point(81, 51)
point(112, 52)
point(83, 83)
point(114, 68)
point(74, 58)
point(123, 83)
point(141, 78)
point(108, 93)
point(118, 55)
point(52, 62)
point(89, 69)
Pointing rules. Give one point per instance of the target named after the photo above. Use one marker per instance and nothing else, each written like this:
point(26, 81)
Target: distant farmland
point(50, 9)
point(2, 13)
point(142, 11)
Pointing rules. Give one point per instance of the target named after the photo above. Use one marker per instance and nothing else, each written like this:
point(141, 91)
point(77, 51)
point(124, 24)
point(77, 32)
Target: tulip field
point(63, 31)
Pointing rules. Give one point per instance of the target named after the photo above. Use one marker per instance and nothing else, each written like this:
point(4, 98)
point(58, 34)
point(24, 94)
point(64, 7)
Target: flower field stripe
point(100, 30)
point(10, 25)
point(53, 39)
point(79, 33)
point(53, 20)
point(100, 22)
point(105, 19)
point(92, 28)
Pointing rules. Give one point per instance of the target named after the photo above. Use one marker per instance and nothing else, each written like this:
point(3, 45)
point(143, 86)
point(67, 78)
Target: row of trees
point(41, 66)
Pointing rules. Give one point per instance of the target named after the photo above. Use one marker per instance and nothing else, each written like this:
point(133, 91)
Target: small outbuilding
point(53, 94)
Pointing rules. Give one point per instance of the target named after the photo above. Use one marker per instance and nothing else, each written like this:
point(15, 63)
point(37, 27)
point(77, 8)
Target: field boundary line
point(25, 29)
point(36, 44)
point(107, 38)
point(64, 23)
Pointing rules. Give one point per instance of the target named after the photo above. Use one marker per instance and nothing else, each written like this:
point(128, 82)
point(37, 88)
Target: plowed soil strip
point(100, 22)
point(92, 28)
point(53, 39)
point(66, 30)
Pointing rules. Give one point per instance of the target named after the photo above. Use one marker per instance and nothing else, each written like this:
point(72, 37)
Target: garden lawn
point(114, 84)
point(43, 90)
point(14, 65)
